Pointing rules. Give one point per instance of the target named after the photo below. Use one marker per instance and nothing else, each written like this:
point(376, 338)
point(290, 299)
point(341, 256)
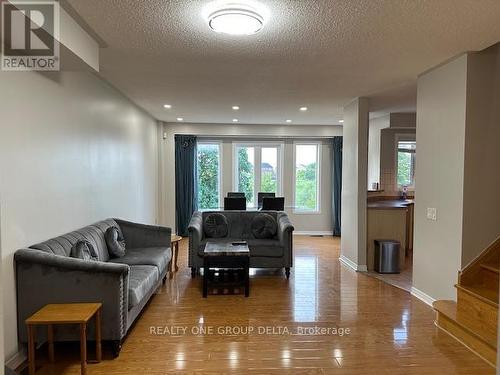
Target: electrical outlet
point(431, 213)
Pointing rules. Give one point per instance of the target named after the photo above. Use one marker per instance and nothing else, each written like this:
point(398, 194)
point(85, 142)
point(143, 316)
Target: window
point(406, 163)
point(257, 169)
point(307, 177)
point(208, 176)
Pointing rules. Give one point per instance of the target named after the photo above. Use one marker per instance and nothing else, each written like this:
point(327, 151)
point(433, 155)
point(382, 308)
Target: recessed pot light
point(235, 120)
point(236, 19)
point(303, 109)
point(180, 119)
point(235, 107)
point(289, 121)
point(167, 106)
point(341, 121)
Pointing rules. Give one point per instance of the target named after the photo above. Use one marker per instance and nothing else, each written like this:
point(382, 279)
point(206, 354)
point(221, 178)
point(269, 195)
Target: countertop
point(393, 204)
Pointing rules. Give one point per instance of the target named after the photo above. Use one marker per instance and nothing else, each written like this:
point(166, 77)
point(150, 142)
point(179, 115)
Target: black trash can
point(387, 256)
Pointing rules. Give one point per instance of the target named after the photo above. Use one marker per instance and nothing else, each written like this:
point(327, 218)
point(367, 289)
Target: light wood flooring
point(391, 332)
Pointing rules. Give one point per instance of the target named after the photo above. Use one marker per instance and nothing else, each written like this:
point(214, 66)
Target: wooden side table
point(175, 253)
point(71, 313)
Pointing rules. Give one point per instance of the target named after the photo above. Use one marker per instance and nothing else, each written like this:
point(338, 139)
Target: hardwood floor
point(391, 332)
point(403, 280)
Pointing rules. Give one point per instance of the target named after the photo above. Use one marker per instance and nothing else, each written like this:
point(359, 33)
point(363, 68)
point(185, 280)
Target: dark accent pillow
point(264, 226)
point(83, 249)
point(115, 242)
point(215, 226)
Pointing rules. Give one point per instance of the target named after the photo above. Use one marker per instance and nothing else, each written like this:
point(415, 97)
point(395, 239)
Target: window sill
point(305, 212)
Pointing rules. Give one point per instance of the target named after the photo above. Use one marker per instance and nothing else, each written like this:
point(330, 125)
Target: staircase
point(473, 319)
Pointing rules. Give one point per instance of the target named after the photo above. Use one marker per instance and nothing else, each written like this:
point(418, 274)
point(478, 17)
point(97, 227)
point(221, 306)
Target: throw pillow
point(84, 250)
point(263, 226)
point(215, 226)
point(115, 242)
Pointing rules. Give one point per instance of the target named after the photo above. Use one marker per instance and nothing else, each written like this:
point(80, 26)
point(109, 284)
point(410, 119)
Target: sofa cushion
point(215, 226)
point(115, 242)
point(264, 226)
point(265, 248)
point(149, 256)
point(84, 250)
point(141, 280)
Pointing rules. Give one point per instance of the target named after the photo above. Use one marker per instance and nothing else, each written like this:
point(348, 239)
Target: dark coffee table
point(226, 256)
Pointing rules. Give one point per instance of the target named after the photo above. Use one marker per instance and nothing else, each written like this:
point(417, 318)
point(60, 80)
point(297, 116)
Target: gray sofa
point(45, 273)
point(275, 252)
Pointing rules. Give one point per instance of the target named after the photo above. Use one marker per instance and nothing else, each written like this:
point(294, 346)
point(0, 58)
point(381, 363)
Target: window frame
point(258, 145)
point(404, 138)
point(218, 143)
point(319, 150)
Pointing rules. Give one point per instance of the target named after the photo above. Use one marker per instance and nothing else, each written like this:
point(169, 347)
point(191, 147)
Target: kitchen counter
point(390, 219)
point(390, 204)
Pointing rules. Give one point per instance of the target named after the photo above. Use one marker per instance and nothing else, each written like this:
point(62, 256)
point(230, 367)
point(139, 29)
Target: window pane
point(208, 176)
point(306, 177)
point(269, 170)
point(406, 162)
point(246, 180)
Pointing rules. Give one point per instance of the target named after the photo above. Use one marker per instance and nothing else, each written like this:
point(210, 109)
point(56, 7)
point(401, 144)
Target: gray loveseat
point(273, 252)
point(45, 273)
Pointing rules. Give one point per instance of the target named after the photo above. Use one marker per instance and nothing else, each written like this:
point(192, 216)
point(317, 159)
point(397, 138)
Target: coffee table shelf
point(226, 256)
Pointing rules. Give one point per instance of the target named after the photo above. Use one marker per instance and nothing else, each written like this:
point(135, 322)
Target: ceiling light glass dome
point(236, 19)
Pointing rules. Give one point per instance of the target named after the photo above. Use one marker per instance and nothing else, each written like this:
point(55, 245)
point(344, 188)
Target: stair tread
point(484, 293)
point(446, 307)
point(450, 309)
point(491, 267)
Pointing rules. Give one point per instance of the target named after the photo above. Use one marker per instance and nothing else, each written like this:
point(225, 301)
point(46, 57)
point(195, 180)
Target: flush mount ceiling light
point(303, 109)
point(236, 19)
point(180, 119)
point(235, 107)
point(288, 121)
point(341, 121)
point(167, 106)
point(235, 120)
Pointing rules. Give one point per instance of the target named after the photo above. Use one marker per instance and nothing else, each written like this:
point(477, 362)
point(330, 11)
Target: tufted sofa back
point(93, 233)
point(239, 222)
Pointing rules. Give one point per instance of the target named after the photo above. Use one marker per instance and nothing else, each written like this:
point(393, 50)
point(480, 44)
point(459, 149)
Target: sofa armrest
point(43, 278)
point(285, 228)
point(195, 230)
point(142, 235)
point(285, 236)
point(68, 263)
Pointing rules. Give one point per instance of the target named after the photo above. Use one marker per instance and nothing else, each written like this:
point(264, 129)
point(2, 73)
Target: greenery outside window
point(406, 163)
point(257, 169)
point(307, 178)
point(209, 175)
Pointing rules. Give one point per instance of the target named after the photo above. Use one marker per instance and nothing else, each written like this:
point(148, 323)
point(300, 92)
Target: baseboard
point(422, 296)
point(17, 360)
point(313, 233)
point(349, 263)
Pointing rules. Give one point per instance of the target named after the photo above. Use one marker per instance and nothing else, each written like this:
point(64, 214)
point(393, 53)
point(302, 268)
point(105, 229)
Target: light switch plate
point(431, 213)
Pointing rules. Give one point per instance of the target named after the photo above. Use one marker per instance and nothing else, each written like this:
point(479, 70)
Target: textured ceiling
point(317, 53)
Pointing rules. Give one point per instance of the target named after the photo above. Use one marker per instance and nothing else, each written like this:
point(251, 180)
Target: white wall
point(482, 157)
point(73, 151)
point(457, 139)
point(229, 133)
point(374, 133)
point(354, 182)
point(441, 103)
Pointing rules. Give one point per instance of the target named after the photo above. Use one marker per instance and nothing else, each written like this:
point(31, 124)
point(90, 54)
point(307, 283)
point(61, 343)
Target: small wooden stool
point(175, 253)
point(71, 313)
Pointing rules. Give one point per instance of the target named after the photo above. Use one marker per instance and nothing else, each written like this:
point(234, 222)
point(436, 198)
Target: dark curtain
point(185, 181)
point(336, 183)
